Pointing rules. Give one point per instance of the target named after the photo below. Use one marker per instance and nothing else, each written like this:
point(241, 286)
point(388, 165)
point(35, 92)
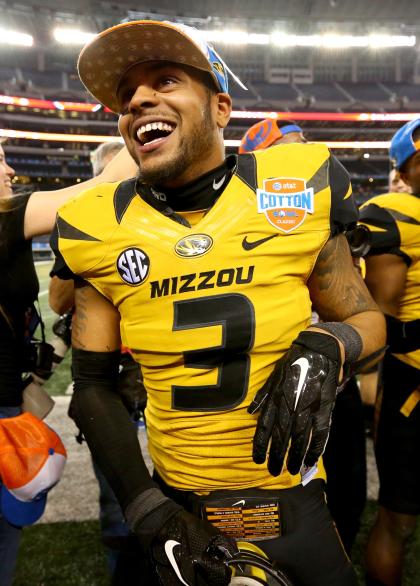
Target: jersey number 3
point(235, 314)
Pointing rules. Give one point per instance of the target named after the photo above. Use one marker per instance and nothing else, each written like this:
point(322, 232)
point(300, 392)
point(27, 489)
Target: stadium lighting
point(236, 37)
point(71, 36)
point(380, 41)
point(259, 39)
point(336, 144)
point(49, 104)
point(97, 138)
point(15, 38)
point(238, 114)
point(328, 116)
point(338, 41)
point(343, 41)
point(284, 40)
point(60, 137)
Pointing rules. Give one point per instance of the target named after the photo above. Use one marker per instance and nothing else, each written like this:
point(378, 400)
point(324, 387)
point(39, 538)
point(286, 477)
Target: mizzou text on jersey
point(207, 327)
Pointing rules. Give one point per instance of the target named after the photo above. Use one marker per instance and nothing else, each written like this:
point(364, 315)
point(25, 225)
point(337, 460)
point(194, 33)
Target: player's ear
point(404, 177)
point(223, 109)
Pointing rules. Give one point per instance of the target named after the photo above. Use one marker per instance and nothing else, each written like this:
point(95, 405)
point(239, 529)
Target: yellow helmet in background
point(251, 567)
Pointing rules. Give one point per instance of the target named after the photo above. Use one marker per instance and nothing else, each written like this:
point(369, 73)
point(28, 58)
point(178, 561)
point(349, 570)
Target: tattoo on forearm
point(337, 290)
point(80, 318)
point(324, 268)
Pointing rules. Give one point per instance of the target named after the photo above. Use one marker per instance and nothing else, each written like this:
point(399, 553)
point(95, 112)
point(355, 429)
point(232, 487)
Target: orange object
point(32, 459)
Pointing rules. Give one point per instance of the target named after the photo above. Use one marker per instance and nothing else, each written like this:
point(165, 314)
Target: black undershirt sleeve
point(106, 425)
point(60, 268)
point(386, 238)
point(344, 212)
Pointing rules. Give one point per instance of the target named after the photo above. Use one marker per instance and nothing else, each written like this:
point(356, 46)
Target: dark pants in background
point(10, 536)
point(345, 463)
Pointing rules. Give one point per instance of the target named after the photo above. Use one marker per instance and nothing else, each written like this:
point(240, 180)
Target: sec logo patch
point(285, 202)
point(133, 266)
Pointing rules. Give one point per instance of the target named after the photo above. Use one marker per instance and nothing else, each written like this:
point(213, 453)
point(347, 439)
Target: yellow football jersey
point(394, 221)
point(207, 310)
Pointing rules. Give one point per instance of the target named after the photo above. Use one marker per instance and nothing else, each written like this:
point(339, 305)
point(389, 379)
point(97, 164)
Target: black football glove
point(296, 404)
point(184, 549)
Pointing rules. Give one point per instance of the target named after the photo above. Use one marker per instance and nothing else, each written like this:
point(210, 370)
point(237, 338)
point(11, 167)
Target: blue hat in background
point(265, 133)
point(402, 144)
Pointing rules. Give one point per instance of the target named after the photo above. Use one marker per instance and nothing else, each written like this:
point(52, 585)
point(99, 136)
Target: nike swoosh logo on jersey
point(303, 364)
point(169, 550)
point(242, 502)
point(246, 245)
point(217, 184)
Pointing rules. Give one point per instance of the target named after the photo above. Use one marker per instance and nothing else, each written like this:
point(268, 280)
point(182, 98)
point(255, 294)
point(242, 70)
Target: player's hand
point(296, 404)
point(186, 550)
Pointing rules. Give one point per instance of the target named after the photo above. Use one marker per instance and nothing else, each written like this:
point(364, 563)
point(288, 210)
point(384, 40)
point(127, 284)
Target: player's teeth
point(153, 126)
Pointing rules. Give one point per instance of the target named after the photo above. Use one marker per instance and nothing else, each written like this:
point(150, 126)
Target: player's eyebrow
point(125, 83)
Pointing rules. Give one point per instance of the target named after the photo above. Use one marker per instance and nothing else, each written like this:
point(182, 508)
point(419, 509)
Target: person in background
point(103, 154)
point(21, 218)
point(121, 552)
point(368, 381)
point(270, 132)
point(393, 277)
point(345, 454)
point(396, 184)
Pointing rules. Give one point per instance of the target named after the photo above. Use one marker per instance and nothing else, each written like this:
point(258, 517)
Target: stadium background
point(331, 65)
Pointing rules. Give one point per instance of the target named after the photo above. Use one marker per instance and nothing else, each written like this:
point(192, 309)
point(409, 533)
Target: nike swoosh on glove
point(189, 551)
point(296, 404)
point(183, 549)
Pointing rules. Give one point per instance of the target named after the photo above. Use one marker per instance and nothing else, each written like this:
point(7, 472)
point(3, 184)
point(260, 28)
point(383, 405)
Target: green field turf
point(62, 554)
point(70, 554)
point(61, 378)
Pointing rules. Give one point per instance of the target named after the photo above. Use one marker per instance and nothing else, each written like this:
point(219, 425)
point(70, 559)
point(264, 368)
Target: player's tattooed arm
point(336, 288)
point(95, 325)
point(338, 293)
